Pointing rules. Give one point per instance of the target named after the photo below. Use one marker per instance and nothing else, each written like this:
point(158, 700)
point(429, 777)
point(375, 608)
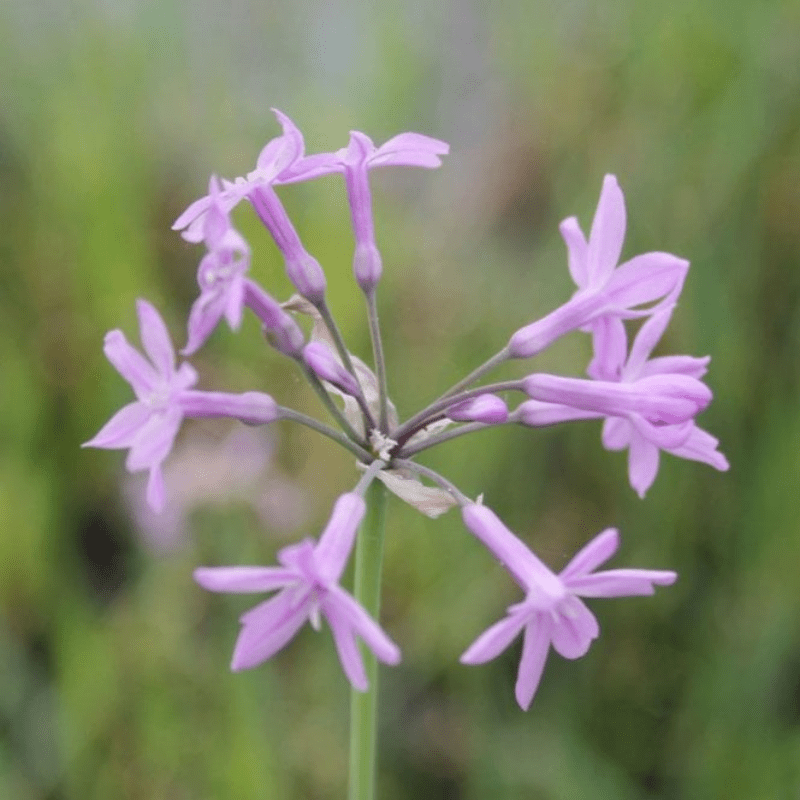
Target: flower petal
point(121, 430)
point(495, 639)
point(154, 440)
point(643, 458)
point(577, 251)
point(156, 492)
point(349, 655)
point(648, 337)
point(701, 446)
point(336, 541)
point(535, 646)
point(616, 433)
point(607, 234)
point(621, 582)
point(339, 602)
point(574, 629)
point(267, 628)
point(644, 279)
point(130, 363)
point(591, 555)
point(409, 150)
point(155, 338)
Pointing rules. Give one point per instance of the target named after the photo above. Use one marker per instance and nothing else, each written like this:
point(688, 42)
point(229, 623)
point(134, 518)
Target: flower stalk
point(367, 592)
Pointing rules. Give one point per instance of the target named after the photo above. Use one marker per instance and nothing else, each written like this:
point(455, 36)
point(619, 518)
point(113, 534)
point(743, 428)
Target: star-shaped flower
point(147, 426)
point(552, 612)
point(308, 580)
point(604, 289)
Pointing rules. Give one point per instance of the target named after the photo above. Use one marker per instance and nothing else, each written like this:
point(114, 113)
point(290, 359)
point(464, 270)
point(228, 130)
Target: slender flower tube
point(604, 289)
point(552, 612)
point(660, 399)
point(487, 408)
point(361, 155)
point(147, 427)
point(308, 583)
point(323, 363)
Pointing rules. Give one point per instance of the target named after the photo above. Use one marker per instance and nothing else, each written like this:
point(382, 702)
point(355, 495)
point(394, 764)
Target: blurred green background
point(114, 678)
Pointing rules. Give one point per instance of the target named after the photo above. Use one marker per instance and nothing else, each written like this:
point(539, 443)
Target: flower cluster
point(647, 405)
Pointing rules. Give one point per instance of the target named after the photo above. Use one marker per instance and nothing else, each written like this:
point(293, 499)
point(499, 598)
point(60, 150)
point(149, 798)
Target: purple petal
point(621, 582)
point(344, 606)
point(410, 150)
point(155, 439)
point(121, 430)
point(665, 437)
point(577, 251)
point(610, 343)
point(336, 541)
point(535, 646)
point(591, 555)
point(574, 629)
point(495, 639)
point(206, 313)
point(130, 363)
point(268, 627)
point(644, 279)
point(617, 433)
point(155, 338)
point(310, 167)
point(526, 569)
point(607, 234)
point(643, 457)
point(648, 337)
point(349, 655)
point(234, 306)
point(244, 579)
point(692, 366)
point(197, 209)
point(701, 446)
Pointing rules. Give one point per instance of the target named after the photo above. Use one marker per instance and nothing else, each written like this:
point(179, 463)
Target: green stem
point(367, 591)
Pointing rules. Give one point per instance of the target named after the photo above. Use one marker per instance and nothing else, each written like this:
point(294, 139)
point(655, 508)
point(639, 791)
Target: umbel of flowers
point(646, 405)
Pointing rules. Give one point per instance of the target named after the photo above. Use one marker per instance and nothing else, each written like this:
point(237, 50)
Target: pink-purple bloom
point(552, 612)
point(361, 155)
point(282, 160)
point(604, 289)
point(650, 424)
point(148, 426)
point(307, 581)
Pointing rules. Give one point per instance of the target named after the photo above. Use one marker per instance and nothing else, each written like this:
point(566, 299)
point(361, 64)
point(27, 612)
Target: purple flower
point(552, 611)
point(147, 427)
point(361, 155)
point(281, 161)
point(646, 427)
point(643, 439)
point(225, 289)
point(604, 289)
point(221, 275)
point(308, 580)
